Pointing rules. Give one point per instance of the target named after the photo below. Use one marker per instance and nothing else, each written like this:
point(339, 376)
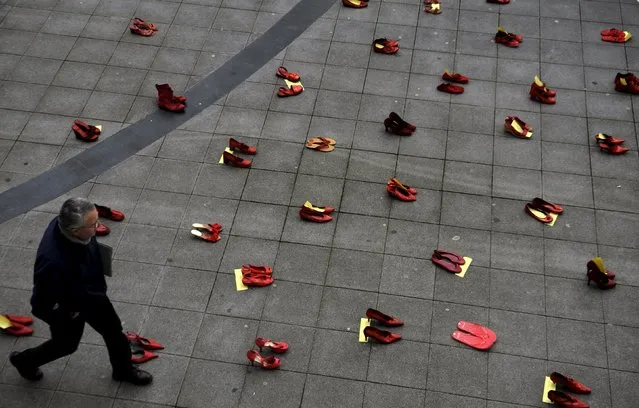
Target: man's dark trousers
point(66, 333)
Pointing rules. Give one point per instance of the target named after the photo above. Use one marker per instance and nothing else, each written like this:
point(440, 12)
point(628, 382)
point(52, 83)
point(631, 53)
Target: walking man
point(69, 289)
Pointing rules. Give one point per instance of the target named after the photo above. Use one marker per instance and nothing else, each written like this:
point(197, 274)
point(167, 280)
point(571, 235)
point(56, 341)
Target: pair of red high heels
point(85, 132)
point(382, 336)
point(400, 191)
point(207, 232)
point(236, 161)
point(16, 325)
point(610, 144)
point(254, 275)
point(562, 399)
point(541, 210)
point(141, 348)
point(448, 260)
point(313, 213)
point(596, 271)
point(452, 77)
point(141, 27)
point(398, 126)
point(541, 93)
point(270, 362)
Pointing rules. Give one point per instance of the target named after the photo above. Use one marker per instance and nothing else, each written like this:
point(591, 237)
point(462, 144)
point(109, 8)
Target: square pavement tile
point(466, 210)
point(420, 172)
point(84, 368)
point(184, 289)
point(623, 391)
point(380, 395)
point(63, 101)
point(341, 308)
point(305, 299)
point(453, 369)
point(566, 129)
point(282, 388)
point(178, 329)
point(227, 301)
point(286, 127)
point(520, 334)
point(439, 399)
point(417, 312)
point(185, 145)
point(259, 220)
point(269, 187)
point(426, 209)
point(13, 123)
point(300, 338)
point(523, 388)
point(293, 260)
point(513, 152)
point(575, 224)
point(468, 178)
point(360, 232)
point(370, 166)
point(329, 165)
point(510, 182)
point(467, 242)
point(571, 341)
point(571, 299)
point(567, 189)
point(30, 158)
point(566, 259)
point(225, 338)
point(108, 106)
point(446, 316)
point(177, 176)
point(411, 238)
point(371, 136)
point(220, 181)
point(339, 354)
point(515, 291)
point(27, 96)
point(321, 391)
point(565, 158)
point(64, 399)
point(136, 282)
point(278, 156)
point(431, 143)
point(190, 252)
point(347, 268)
point(405, 276)
point(364, 198)
point(211, 382)
point(614, 306)
point(517, 252)
point(47, 129)
point(160, 208)
point(407, 368)
point(14, 396)
point(246, 250)
point(305, 232)
point(473, 288)
point(620, 343)
point(469, 147)
point(145, 243)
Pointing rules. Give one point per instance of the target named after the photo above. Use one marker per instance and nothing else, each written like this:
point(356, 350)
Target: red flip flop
point(106, 212)
point(541, 204)
point(18, 330)
point(445, 263)
point(146, 343)
point(23, 320)
point(477, 330)
point(142, 356)
point(291, 76)
point(294, 90)
point(472, 341)
point(451, 256)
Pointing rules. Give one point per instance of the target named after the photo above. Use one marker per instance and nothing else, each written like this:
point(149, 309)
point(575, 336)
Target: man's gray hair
point(73, 213)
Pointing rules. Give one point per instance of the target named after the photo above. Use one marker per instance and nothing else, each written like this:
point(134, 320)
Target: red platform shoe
point(383, 319)
point(167, 101)
point(241, 147)
point(108, 213)
point(381, 336)
point(235, 161)
point(562, 399)
point(275, 346)
point(267, 363)
point(569, 384)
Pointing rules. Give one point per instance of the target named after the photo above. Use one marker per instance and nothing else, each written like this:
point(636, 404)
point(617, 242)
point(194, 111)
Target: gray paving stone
point(284, 388)
point(365, 199)
point(78, 75)
point(622, 390)
point(510, 182)
point(455, 210)
point(227, 301)
point(572, 299)
point(269, 187)
point(431, 63)
point(65, 23)
point(370, 166)
point(30, 158)
point(474, 289)
point(405, 276)
point(220, 181)
point(293, 260)
point(339, 354)
point(567, 259)
point(19, 395)
point(559, 29)
point(145, 243)
point(176, 176)
point(452, 400)
point(400, 62)
point(570, 189)
point(378, 395)
point(184, 289)
point(517, 252)
point(374, 108)
point(349, 54)
point(133, 172)
point(577, 224)
point(386, 83)
point(321, 391)
point(453, 369)
point(245, 250)
point(619, 259)
point(7, 64)
point(352, 269)
point(286, 127)
point(438, 114)
point(360, 232)
point(469, 147)
point(415, 311)
point(433, 39)
point(305, 232)
point(426, 209)
point(65, 399)
point(624, 166)
point(620, 343)
point(517, 291)
point(178, 329)
point(46, 129)
point(613, 307)
point(524, 387)
point(136, 282)
point(371, 136)
point(122, 80)
point(89, 372)
point(342, 308)
point(344, 105)
point(105, 28)
point(514, 152)
point(51, 46)
point(225, 338)
point(92, 51)
point(259, 220)
point(564, 129)
point(14, 41)
point(275, 155)
point(303, 298)
point(171, 372)
point(520, 334)
point(386, 364)
point(576, 350)
point(467, 178)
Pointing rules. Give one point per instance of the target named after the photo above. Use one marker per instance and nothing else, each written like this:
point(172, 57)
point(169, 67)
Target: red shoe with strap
point(267, 363)
point(291, 76)
point(542, 94)
point(275, 346)
point(140, 356)
point(383, 319)
point(146, 343)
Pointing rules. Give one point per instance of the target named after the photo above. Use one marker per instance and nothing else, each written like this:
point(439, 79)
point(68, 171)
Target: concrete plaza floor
point(67, 59)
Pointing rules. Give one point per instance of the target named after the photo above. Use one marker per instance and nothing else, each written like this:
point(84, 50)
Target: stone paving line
point(526, 281)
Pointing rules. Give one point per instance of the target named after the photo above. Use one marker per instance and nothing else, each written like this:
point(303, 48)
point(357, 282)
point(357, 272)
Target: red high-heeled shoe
point(142, 356)
point(395, 182)
point(542, 95)
point(235, 161)
point(267, 363)
point(569, 384)
point(402, 123)
point(562, 399)
point(264, 270)
point(383, 319)
point(244, 148)
point(275, 346)
point(396, 128)
point(400, 193)
point(612, 149)
point(382, 336)
point(108, 213)
point(602, 280)
point(607, 139)
point(593, 264)
point(541, 204)
point(146, 343)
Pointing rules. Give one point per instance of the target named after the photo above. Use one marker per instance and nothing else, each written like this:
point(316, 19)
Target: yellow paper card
point(600, 264)
point(623, 81)
point(363, 323)
point(308, 204)
point(290, 84)
point(4, 322)
point(238, 280)
point(548, 386)
point(538, 81)
point(464, 267)
point(626, 35)
point(519, 129)
point(554, 218)
point(99, 127)
point(228, 150)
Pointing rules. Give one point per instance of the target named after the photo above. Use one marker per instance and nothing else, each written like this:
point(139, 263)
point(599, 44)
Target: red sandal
point(291, 76)
point(267, 363)
point(144, 25)
point(146, 343)
point(141, 31)
point(294, 90)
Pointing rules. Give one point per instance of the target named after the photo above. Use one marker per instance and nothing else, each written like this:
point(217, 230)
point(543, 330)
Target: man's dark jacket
point(65, 274)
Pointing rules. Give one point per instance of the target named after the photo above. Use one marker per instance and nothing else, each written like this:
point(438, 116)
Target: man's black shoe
point(29, 373)
point(134, 376)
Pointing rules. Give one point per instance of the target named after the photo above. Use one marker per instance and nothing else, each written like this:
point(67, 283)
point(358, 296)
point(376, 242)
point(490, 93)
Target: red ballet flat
point(454, 77)
point(451, 256)
point(102, 230)
point(313, 216)
point(23, 320)
point(253, 279)
point(111, 214)
point(241, 147)
point(18, 330)
point(401, 122)
point(265, 270)
point(275, 346)
point(451, 89)
point(146, 343)
point(445, 263)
